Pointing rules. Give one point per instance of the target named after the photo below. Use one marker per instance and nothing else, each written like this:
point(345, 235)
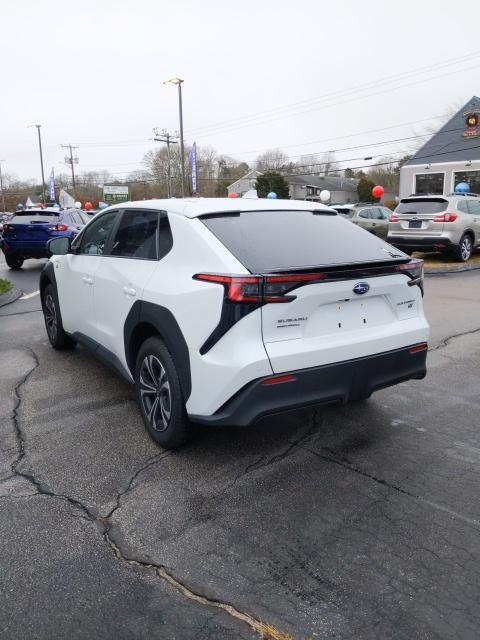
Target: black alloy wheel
point(159, 395)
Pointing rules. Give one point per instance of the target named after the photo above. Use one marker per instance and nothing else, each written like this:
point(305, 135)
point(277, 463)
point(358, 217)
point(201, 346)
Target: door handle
point(129, 291)
point(87, 280)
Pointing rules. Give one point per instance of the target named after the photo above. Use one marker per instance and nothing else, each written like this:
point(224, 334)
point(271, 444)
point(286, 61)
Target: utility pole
point(71, 161)
point(41, 160)
point(178, 82)
point(167, 137)
point(1, 187)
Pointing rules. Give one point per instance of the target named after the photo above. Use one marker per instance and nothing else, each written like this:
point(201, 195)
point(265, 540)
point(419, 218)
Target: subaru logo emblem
point(361, 287)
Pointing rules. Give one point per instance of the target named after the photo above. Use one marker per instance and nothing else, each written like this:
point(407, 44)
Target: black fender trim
point(47, 276)
point(147, 315)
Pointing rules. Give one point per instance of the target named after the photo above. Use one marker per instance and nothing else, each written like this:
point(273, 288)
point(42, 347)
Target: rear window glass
point(418, 206)
point(36, 212)
point(31, 218)
point(271, 240)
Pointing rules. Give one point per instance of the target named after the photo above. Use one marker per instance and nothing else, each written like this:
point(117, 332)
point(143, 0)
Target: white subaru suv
point(221, 311)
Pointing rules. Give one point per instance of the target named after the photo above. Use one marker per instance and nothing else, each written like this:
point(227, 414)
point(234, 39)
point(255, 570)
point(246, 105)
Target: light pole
point(1, 187)
point(41, 159)
point(178, 82)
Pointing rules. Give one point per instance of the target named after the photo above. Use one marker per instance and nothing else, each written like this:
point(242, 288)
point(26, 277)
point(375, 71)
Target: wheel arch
point(47, 276)
point(146, 320)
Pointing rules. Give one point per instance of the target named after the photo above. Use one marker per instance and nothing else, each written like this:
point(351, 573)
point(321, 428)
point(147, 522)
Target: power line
point(344, 92)
point(220, 130)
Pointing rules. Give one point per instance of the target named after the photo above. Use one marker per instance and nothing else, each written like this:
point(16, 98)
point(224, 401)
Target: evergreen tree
point(272, 181)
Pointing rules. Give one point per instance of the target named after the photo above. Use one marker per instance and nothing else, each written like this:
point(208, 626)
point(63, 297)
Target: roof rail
point(456, 193)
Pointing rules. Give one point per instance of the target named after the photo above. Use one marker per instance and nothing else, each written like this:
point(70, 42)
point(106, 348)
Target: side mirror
point(58, 246)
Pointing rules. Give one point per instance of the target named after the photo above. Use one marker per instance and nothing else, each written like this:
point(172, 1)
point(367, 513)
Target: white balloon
point(325, 195)
point(78, 205)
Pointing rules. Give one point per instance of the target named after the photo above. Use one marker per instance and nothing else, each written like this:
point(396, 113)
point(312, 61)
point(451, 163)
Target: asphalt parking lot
point(356, 522)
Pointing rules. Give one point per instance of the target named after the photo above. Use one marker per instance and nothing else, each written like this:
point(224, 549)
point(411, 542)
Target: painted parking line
point(26, 296)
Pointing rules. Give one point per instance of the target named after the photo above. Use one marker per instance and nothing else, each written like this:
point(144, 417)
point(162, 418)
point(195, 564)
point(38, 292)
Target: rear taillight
point(393, 218)
point(414, 270)
point(260, 289)
point(445, 217)
point(237, 288)
point(275, 287)
point(7, 227)
point(58, 227)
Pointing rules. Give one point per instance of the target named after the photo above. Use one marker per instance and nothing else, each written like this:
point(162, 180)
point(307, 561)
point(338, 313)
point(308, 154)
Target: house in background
point(452, 155)
point(305, 187)
point(301, 187)
point(242, 185)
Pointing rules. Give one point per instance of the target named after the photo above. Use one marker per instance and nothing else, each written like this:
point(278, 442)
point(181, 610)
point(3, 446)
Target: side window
point(95, 236)
point(136, 236)
point(474, 207)
point(386, 213)
point(364, 213)
point(376, 214)
point(462, 206)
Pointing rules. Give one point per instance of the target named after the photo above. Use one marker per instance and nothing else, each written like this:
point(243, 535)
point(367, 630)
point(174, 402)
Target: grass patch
point(437, 260)
point(5, 286)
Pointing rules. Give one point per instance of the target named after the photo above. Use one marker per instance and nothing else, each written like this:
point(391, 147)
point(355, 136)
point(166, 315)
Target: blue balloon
point(462, 187)
point(272, 195)
point(102, 205)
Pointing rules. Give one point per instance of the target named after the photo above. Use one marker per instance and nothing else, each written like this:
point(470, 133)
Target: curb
point(444, 270)
point(10, 296)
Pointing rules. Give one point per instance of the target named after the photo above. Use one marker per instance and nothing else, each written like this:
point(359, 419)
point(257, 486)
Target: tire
point(53, 321)
point(463, 252)
point(159, 395)
point(14, 262)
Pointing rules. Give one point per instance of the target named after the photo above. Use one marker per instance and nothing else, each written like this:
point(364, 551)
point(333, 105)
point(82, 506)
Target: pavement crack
point(266, 631)
point(446, 341)
point(343, 462)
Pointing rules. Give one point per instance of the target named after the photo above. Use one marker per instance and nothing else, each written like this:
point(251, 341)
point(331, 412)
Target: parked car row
point(449, 224)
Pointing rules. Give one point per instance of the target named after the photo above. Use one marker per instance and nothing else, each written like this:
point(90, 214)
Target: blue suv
point(27, 234)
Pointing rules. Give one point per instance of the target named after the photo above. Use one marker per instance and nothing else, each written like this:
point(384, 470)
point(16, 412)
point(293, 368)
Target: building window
point(310, 191)
point(472, 178)
point(429, 183)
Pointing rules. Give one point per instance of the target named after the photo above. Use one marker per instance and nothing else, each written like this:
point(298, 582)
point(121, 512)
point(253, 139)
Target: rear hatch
point(416, 216)
point(31, 227)
point(331, 291)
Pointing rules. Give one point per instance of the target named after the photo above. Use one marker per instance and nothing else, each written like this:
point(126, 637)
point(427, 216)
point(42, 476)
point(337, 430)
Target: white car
point(221, 311)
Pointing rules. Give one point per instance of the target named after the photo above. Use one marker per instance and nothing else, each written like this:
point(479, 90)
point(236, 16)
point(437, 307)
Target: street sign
point(115, 193)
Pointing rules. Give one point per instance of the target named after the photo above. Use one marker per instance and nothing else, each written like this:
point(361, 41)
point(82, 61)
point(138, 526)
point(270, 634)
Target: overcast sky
point(306, 76)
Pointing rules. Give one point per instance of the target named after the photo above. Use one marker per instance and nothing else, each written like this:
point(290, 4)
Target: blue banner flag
point(193, 163)
point(51, 187)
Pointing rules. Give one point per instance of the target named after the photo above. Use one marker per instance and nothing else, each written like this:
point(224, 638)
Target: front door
point(76, 273)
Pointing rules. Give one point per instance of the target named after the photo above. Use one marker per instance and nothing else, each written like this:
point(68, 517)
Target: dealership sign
point(115, 193)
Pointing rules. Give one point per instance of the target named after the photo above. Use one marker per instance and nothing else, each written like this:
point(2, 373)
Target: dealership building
point(451, 156)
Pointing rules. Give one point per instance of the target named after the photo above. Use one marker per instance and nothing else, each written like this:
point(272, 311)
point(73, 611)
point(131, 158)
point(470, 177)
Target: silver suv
point(450, 224)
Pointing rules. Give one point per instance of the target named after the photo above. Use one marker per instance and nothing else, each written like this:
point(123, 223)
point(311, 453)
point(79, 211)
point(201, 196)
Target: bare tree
point(271, 160)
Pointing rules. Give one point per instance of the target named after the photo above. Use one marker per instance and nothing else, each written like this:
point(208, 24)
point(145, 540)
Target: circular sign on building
point(471, 120)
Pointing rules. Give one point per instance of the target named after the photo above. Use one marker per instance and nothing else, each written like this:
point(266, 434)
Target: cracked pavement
point(342, 522)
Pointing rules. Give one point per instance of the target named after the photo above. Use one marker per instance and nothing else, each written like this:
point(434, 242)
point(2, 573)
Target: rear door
point(120, 281)
point(324, 321)
point(416, 216)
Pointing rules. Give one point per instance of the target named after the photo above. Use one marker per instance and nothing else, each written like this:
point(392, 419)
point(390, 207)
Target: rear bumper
point(24, 249)
point(340, 382)
point(425, 243)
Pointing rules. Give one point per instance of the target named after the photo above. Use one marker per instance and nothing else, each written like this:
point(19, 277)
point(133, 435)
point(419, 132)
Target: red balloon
point(378, 191)
point(233, 195)
point(88, 206)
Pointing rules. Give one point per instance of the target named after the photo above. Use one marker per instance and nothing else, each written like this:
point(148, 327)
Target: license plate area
point(415, 224)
